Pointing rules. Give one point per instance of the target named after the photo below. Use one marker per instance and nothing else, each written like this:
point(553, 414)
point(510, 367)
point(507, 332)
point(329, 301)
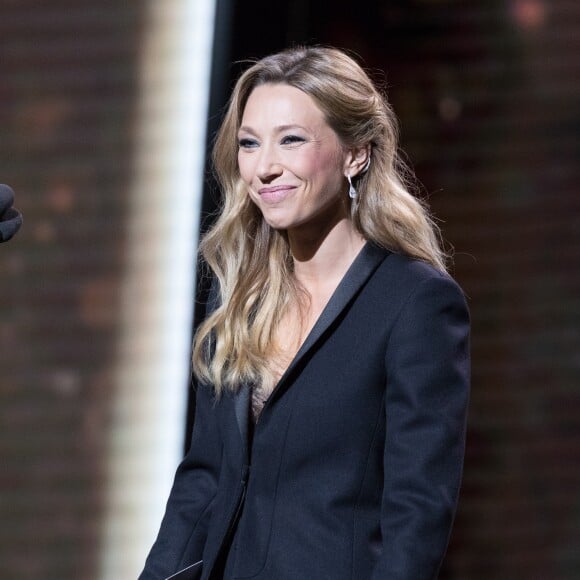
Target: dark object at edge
point(10, 218)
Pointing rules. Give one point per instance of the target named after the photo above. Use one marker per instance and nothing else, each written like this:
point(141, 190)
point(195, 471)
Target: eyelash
point(291, 139)
point(246, 143)
point(287, 140)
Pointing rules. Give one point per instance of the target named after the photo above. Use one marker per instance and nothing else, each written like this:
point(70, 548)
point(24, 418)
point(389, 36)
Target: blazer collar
point(363, 266)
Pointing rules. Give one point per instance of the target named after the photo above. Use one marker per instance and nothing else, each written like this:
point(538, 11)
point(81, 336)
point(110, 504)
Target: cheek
point(244, 169)
point(326, 170)
point(318, 166)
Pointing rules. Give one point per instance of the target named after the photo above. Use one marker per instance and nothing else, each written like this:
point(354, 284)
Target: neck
point(322, 258)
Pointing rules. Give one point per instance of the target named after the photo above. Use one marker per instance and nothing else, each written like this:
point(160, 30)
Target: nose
point(269, 166)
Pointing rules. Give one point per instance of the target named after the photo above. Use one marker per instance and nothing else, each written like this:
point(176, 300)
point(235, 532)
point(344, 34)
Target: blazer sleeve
point(184, 526)
point(427, 391)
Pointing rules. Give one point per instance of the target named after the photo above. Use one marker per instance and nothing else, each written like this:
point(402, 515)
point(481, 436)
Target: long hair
point(251, 260)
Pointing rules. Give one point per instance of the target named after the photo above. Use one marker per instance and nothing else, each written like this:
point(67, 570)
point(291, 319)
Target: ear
point(357, 160)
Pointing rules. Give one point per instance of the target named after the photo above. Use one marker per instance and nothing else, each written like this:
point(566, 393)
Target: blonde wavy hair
point(251, 260)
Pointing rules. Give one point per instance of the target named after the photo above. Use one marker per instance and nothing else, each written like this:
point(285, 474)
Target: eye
point(292, 140)
point(246, 143)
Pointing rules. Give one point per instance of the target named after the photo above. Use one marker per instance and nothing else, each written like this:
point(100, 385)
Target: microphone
point(10, 218)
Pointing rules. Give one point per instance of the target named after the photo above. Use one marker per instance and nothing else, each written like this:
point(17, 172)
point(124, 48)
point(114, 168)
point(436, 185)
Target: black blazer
point(354, 467)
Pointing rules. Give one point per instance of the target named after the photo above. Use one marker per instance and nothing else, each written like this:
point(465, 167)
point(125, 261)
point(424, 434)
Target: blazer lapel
point(242, 411)
point(368, 260)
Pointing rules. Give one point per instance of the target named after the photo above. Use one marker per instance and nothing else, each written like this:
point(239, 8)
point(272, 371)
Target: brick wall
point(67, 91)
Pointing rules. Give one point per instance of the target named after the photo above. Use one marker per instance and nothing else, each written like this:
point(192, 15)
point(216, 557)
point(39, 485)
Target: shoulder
point(400, 278)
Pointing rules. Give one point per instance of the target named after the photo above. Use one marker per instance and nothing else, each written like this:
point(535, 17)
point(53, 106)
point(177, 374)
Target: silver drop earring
point(367, 165)
point(351, 190)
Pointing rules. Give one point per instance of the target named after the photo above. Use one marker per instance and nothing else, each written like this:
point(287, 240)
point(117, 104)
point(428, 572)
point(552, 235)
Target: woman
point(333, 364)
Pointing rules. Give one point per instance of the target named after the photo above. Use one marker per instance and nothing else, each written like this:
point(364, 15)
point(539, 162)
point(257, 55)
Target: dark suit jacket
point(354, 467)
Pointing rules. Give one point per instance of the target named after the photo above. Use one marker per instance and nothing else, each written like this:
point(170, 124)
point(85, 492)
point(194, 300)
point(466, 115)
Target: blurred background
point(107, 111)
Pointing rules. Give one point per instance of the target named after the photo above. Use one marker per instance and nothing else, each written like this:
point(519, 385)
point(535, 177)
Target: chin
point(278, 222)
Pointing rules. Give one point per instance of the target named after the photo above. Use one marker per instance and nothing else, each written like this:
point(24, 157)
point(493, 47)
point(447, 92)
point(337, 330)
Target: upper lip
point(270, 188)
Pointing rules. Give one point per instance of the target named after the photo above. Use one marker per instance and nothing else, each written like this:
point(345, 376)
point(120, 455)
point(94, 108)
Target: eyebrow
point(278, 129)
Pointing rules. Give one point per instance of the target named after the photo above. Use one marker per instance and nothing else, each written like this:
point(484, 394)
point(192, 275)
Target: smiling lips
point(275, 193)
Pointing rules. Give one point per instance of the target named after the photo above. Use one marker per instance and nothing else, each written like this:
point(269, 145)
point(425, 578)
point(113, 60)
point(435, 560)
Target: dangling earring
point(351, 190)
point(367, 165)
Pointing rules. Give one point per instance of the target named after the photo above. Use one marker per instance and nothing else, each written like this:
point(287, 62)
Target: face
point(291, 161)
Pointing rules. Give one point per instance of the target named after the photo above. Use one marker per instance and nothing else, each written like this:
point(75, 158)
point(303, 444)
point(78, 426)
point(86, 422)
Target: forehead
point(281, 104)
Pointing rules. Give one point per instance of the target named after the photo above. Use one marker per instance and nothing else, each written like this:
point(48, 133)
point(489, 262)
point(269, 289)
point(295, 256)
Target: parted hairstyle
point(252, 261)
